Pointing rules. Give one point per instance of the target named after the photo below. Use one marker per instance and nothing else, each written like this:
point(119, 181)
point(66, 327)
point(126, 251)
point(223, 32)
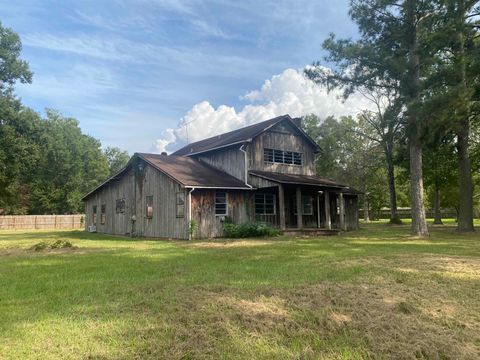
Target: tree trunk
point(419, 221)
point(465, 206)
point(436, 203)
point(391, 187)
point(366, 215)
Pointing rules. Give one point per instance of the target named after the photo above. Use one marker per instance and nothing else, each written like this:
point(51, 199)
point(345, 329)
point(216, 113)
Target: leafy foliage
point(251, 229)
point(46, 165)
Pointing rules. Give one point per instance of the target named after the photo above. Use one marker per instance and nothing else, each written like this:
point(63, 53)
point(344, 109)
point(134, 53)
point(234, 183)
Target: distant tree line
point(46, 163)
point(419, 63)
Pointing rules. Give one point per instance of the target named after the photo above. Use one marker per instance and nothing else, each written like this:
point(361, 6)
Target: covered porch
point(306, 205)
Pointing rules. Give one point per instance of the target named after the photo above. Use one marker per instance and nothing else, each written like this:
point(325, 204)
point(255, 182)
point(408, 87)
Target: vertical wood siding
point(282, 137)
point(230, 160)
point(203, 211)
point(134, 186)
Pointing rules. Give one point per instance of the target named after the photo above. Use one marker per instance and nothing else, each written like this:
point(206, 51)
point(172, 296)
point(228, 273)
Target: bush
point(39, 246)
point(249, 230)
point(59, 244)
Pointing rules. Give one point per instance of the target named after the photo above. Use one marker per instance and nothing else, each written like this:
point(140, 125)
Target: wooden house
point(263, 172)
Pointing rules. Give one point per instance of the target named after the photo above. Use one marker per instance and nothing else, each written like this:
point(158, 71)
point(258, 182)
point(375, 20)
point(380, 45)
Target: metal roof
point(238, 136)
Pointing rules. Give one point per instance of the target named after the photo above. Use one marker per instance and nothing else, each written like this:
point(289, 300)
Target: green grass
point(374, 293)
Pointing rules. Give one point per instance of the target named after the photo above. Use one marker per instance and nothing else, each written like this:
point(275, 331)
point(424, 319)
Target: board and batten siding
point(164, 222)
point(230, 160)
point(134, 186)
point(117, 224)
point(281, 137)
point(239, 207)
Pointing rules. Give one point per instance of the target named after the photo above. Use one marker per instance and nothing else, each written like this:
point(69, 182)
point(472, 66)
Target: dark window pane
point(278, 156)
point(268, 155)
point(297, 158)
point(288, 157)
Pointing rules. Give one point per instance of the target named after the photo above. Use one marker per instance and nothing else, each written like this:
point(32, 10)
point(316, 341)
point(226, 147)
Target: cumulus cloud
point(287, 93)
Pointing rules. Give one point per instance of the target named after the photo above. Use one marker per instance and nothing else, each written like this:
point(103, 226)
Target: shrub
point(59, 244)
point(249, 230)
point(39, 246)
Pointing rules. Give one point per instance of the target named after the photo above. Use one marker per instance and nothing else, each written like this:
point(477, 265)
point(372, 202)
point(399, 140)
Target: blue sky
point(128, 70)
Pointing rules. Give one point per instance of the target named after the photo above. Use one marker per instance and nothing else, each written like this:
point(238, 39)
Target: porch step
point(311, 232)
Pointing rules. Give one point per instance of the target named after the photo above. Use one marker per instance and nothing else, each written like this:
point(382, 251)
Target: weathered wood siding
point(351, 212)
point(134, 186)
point(230, 160)
point(118, 224)
point(203, 211)
point(281, 137)
point(164, 222)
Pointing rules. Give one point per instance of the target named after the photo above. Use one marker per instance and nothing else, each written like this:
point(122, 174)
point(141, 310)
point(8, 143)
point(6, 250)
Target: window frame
point(221, 203)
point(94, 214)
point(103, 214)
point(264, 204)
point(310, 202)
point(149, 214)
point(120, 206)
point(272, 156)
point(180, 204)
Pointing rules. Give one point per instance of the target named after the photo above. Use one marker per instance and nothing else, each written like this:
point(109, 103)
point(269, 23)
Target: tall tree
point(391, 53)
point(116, 158)
point(12, 68)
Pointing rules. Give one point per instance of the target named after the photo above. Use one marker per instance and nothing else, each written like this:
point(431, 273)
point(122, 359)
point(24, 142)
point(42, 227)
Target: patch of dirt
point(228, 244)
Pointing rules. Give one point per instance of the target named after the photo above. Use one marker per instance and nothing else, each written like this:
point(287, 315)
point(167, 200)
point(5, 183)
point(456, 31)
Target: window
point(94, 214)
point(120, 206)
point(282, 157)
point(307, 204)
point(149, 206)
point(103, 216)
point(268, 155)
point(180, 204)
point(220, 203)
point(265, 204)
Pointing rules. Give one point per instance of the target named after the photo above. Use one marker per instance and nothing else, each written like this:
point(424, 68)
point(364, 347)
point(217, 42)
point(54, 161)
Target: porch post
point(328, 218)
point(318, 210)
point(342, 212)
point(299, 208)
point(281, 205)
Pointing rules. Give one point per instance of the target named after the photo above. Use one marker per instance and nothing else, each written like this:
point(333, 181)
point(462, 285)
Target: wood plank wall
point(283, 138)
point(134, 187)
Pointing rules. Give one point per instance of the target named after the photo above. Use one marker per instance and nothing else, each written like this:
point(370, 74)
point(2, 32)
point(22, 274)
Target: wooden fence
point(33, 222)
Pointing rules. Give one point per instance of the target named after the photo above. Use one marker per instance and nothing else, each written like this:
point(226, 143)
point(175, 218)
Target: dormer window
point(282, 157)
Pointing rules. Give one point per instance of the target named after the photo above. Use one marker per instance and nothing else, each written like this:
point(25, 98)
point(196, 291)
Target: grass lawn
point(374, 293)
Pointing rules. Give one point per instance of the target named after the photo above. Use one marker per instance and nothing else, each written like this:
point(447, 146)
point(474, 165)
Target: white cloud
point(287, 93)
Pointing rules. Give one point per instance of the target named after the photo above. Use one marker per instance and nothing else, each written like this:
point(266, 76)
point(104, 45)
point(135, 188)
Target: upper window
point(103, 216)
point(180, 204)
point(220, 203)
point(282, 157)
point(120, 206)
point(265, 204)
point(94, 214)
point(149, 206)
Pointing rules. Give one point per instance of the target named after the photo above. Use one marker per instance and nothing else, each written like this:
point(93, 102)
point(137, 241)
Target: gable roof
point(239, 136)
point(188, 172)
point(191, 172)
